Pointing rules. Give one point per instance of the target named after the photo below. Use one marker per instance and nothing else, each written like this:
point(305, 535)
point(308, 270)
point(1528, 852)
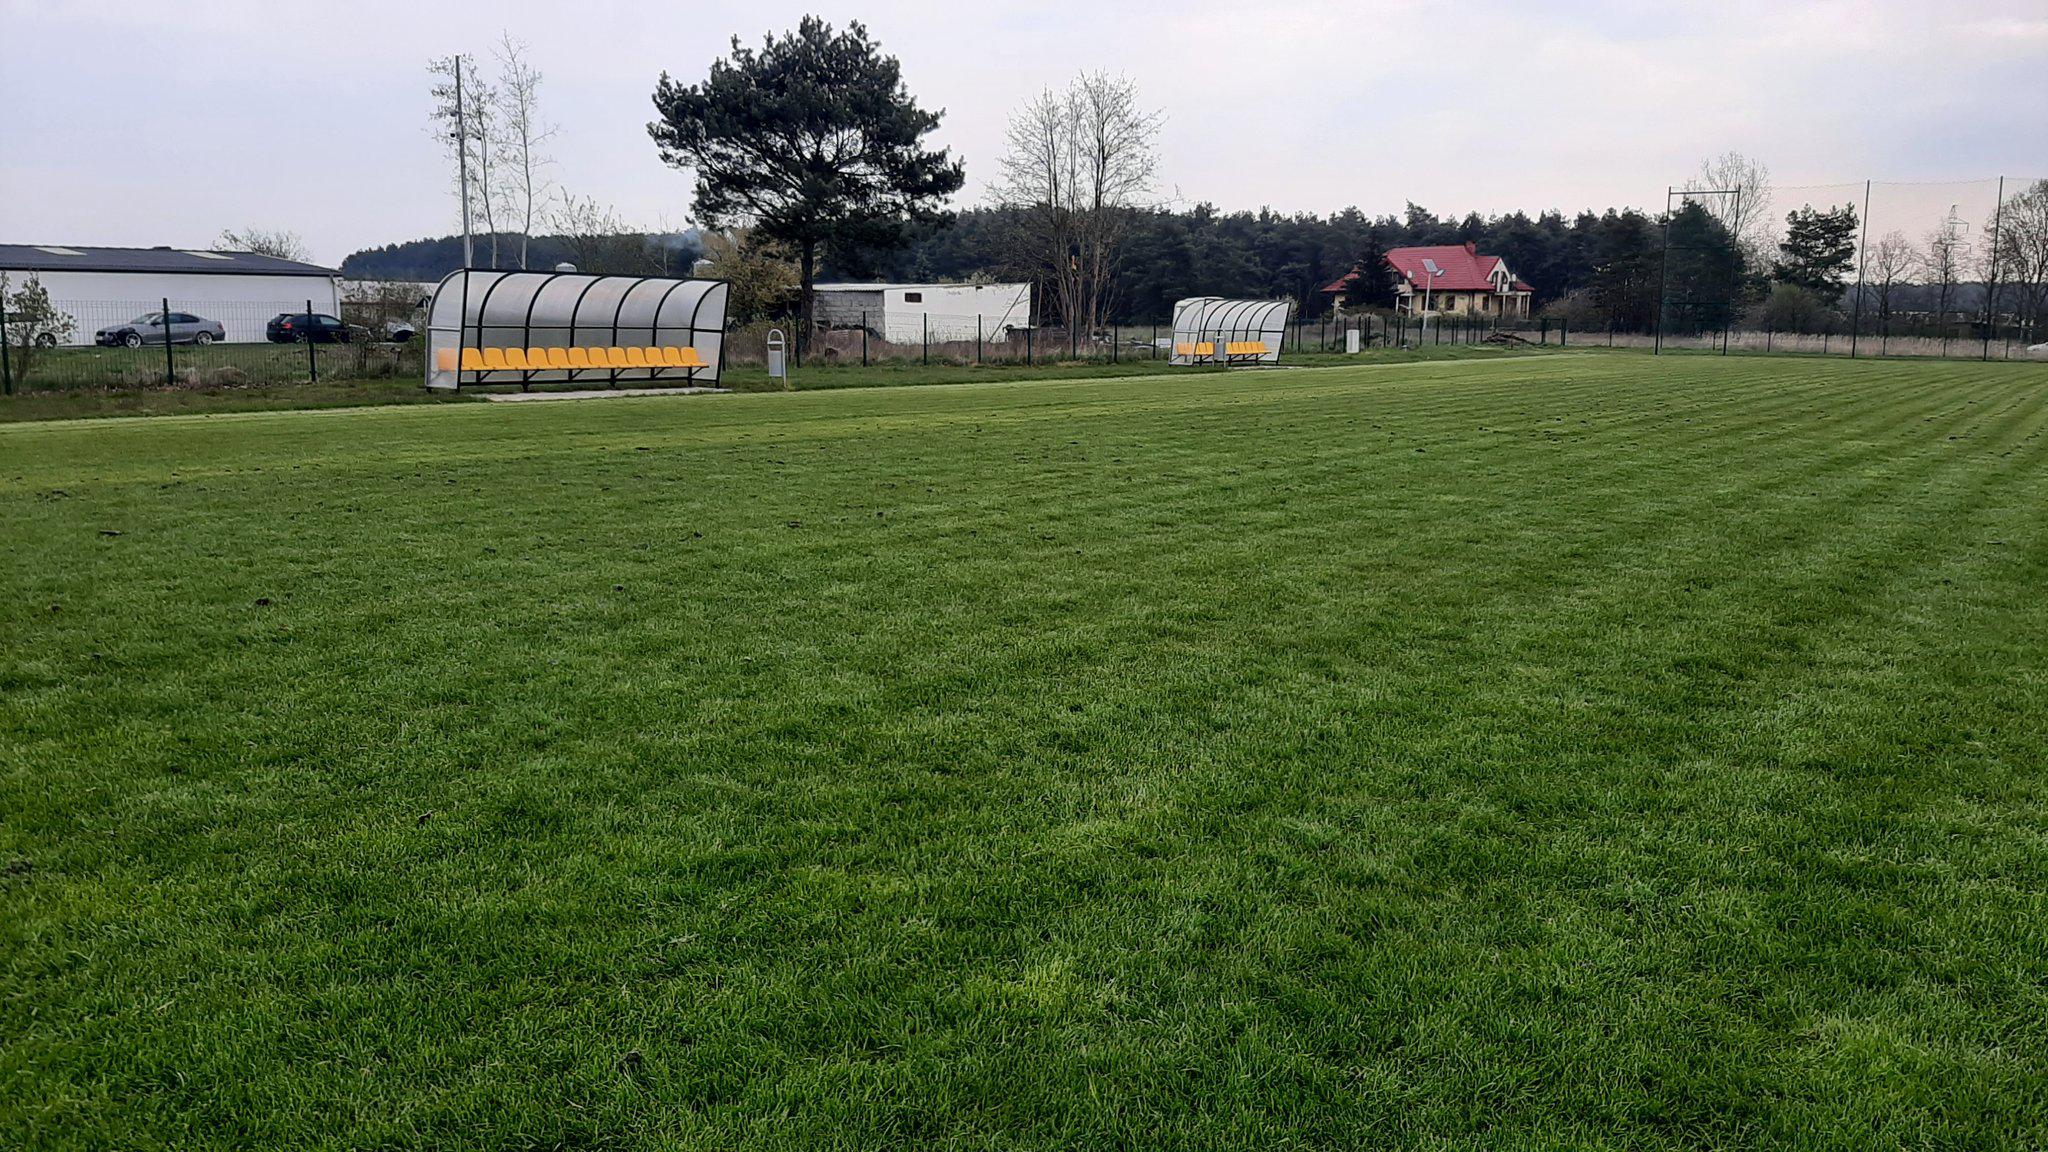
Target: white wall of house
point(242, 303)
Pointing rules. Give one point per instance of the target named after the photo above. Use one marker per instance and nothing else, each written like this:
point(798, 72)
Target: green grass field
point(1569, 751)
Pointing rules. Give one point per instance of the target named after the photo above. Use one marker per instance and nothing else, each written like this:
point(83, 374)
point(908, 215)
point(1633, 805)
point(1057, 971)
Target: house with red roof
point(1450, 279)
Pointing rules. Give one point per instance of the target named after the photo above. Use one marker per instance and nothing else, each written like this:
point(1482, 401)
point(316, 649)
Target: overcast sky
point(153, 123)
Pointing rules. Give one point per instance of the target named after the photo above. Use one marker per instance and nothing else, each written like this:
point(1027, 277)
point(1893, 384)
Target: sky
point(151, 123)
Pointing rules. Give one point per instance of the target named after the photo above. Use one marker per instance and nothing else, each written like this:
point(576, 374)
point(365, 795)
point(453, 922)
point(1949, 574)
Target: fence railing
point(115, 344)
point(958, 340)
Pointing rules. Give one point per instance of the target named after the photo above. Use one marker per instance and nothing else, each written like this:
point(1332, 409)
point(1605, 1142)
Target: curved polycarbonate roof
point(494, 310)
point(1213, 319)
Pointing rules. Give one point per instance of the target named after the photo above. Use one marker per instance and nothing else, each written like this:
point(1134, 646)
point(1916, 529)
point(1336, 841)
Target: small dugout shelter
point(1213, 330)
point(526, 328)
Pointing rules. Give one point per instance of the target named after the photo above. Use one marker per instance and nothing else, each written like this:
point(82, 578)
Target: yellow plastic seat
point(579, 357)
point(444, 360)
point(515, 358)
point(537, 358)
point(686, 357)
point(615, 357)
point(558, 357)
point(666, 357)
point(494, 360)
point(472, 360)
point(636, 358)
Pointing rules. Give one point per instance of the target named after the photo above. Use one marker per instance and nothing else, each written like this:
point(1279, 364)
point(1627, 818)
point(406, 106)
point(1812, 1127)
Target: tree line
point(809, 162)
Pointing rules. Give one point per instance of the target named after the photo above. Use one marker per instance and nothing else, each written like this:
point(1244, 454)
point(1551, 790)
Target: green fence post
point(6, 365)
point(170, 362)
point(312, 354)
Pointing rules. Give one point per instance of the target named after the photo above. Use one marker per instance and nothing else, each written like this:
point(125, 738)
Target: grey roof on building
point(76, 258)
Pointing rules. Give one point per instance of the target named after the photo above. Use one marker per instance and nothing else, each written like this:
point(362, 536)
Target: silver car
point(149, 328)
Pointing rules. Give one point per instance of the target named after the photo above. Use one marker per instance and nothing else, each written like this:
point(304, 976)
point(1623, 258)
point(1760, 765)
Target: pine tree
point(1818, 250)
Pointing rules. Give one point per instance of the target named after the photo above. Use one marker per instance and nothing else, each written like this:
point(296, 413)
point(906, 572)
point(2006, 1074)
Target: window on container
point(913, 297)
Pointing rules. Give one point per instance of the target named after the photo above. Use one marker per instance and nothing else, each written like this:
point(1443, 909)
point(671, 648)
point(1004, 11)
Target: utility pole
point(462, 165)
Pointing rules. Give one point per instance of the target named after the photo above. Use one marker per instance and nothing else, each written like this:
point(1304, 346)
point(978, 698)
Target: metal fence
point(1955, 269)
point(957, 340)
point(121, 344)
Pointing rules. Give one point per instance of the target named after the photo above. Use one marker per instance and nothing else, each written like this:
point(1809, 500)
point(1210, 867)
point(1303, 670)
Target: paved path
point(597, 393)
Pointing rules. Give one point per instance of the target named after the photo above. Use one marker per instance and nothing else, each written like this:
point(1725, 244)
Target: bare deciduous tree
point(1077, 162)
point(1746, 216)
point(1890, 262)
point(1942, 255)
point(2019, 267)
point(598, 241)
point(522, 134)
point(465, 122)
point(278, 242)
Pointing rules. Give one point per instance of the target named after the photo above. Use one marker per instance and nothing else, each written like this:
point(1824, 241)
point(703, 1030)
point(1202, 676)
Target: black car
point(300, 327)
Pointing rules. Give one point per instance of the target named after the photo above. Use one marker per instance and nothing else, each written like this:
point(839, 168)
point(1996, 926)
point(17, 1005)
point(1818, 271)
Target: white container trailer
point(907, 313)
point(98, 287)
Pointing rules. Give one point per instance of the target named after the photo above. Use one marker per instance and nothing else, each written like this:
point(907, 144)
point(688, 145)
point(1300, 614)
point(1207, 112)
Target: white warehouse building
point(97, 287)
point(906, 313)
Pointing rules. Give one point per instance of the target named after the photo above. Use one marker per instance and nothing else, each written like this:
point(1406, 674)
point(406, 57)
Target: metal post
point(1155, 342)
point(1862, 248)
point(1991, 281)
point(170, 364)
point(312, 355)
point(1114, 340)
point(1030, 336)
point(926, 318)
point(863, 338)
point(1663, 278)
point(6, 365)
point(462, 166)
point(1564, 330)
point(977, 338)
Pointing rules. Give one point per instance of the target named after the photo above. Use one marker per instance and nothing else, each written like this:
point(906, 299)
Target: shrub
point(1791, 308)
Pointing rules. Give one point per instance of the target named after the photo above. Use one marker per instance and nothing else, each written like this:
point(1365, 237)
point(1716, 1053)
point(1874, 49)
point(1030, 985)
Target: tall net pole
point(1991, 268)
point(1862, 258)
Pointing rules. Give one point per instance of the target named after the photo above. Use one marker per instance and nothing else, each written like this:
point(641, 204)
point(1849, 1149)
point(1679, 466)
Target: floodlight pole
point(1427, 287)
